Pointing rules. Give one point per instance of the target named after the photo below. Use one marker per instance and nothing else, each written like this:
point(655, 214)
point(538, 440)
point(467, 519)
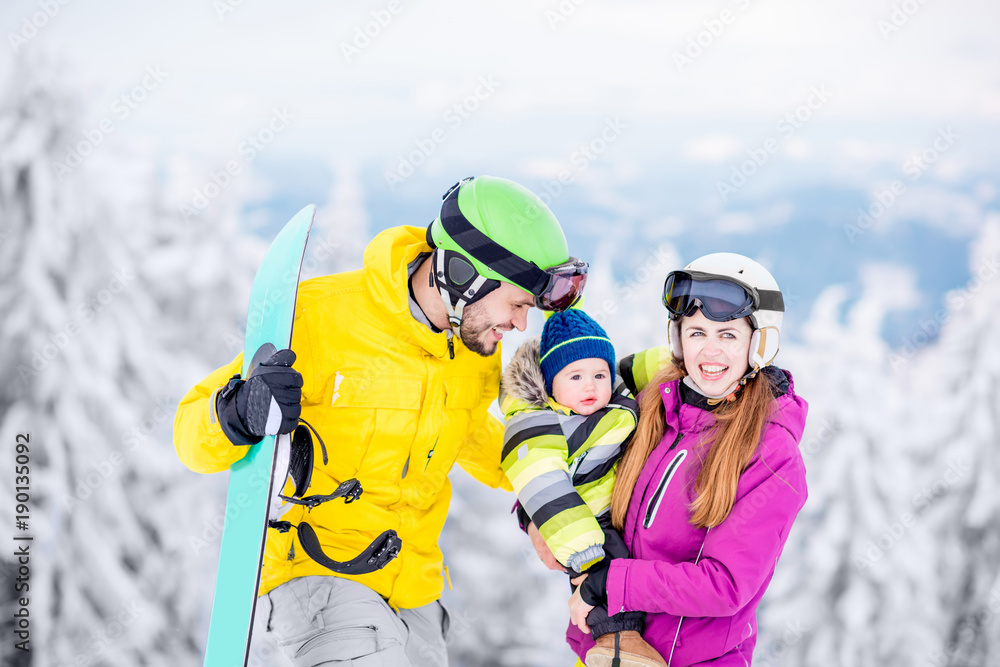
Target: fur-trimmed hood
point(523, 379)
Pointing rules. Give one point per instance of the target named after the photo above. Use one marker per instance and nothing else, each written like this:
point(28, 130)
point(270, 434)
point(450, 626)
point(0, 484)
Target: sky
point(229, 63)
point(712, 125)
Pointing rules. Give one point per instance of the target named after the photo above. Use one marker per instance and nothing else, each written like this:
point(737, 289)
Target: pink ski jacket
point(716, 593)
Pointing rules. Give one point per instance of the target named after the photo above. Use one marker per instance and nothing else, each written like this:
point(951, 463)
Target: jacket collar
point(386, 260)
point(676, 395)
point(781, 382)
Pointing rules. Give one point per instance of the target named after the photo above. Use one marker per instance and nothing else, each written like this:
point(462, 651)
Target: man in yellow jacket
point(395, 366)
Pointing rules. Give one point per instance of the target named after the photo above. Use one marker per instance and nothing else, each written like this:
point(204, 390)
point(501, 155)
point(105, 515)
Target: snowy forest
point(114, 300)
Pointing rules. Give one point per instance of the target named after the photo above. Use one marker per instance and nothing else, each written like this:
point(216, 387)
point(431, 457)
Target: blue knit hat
point(569, 336)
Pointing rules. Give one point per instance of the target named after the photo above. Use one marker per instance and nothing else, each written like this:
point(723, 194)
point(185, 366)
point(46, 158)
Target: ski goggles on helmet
point(719, 299)
point(563, 285)
point(555, 288)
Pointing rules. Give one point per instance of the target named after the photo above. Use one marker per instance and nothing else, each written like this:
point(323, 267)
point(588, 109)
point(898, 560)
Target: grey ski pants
point(321, 620)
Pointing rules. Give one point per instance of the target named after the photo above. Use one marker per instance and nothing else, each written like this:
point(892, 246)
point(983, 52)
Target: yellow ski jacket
point(394, 411)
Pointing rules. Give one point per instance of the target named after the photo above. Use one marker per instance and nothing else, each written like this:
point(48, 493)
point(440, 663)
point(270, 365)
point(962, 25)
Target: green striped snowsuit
point(562, 465)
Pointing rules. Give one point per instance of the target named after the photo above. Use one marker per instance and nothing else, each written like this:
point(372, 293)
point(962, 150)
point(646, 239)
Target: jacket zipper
point(430, 454)
point(668, 474)
point(575, 465)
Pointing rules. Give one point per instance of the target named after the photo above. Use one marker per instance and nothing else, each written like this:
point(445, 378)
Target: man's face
point(484, 321)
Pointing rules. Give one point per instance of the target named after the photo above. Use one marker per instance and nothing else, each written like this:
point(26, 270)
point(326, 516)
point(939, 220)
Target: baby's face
point(583, 386)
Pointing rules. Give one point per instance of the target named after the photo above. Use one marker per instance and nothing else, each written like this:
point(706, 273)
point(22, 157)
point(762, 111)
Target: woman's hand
point(542, 549)
point(578, 609)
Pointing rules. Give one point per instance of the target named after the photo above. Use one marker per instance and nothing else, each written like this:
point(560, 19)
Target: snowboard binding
point(377, 555)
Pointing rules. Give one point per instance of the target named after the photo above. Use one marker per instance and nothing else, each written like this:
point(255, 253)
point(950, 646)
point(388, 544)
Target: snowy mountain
point(114, 303)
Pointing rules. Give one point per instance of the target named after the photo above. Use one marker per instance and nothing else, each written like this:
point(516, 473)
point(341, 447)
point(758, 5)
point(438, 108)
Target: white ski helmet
point(726, 286)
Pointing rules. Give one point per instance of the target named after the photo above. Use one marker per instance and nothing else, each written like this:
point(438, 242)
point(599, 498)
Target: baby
point(567, 423)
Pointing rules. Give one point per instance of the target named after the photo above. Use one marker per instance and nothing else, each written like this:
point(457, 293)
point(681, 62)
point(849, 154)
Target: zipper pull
point(451, 345)
point(430, 454)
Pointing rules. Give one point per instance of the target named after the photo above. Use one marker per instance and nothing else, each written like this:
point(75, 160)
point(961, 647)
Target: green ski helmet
point(491, 230)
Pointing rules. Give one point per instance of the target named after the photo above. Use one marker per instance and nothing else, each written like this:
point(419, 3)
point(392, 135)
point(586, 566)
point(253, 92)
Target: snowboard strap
point(383, 549)
point(349, 490)
point(322, 445)
point(377, 555)
point(300, 460)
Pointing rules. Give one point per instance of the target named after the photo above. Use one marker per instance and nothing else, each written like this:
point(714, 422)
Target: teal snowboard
point(269, 328)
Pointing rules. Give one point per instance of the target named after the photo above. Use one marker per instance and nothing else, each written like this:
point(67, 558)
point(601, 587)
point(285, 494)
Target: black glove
point(272, 392)
point(594, 589)
point(522, 517)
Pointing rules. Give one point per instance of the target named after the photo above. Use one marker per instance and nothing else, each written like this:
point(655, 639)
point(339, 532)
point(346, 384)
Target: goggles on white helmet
point(720, 298)
point(727, 286)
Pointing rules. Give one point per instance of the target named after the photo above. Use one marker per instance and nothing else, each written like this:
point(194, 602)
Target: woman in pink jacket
point(712, 480)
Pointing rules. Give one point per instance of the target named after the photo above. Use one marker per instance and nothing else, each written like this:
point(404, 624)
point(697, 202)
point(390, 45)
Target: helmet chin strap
point(454, 309)
point(732, 393)
point(454, 306)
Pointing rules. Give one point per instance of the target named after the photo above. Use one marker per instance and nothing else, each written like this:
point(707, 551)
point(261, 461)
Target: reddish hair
point(725, 451)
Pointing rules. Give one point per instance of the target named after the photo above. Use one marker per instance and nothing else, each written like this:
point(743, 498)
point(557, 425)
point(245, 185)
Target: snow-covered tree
point(835, 595)
point(957, 385)
point(111, 306)
point(894, 559)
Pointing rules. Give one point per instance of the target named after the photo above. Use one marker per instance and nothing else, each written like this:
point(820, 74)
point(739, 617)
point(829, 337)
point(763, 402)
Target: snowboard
point(251, 479)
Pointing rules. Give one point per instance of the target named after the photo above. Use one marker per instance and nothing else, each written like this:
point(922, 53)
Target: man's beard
point(474, 324)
